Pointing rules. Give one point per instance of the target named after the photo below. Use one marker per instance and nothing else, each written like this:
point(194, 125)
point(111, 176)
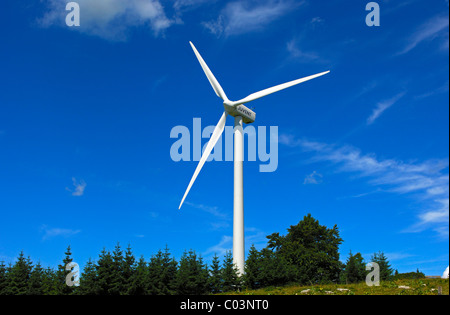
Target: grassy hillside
point(398, 287)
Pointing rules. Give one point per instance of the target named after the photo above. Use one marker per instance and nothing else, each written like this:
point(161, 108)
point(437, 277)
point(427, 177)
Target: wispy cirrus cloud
point(427, 180)
point(437, 27)
point(382, 107)
point(208, 209)
point(295, 52)
point(184, 5)
point(110, 19)
point(241, 17)
point(57, 232)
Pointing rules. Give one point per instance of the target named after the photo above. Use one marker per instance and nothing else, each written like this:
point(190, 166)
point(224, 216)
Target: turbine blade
point(212, 79)
point(277, 88)
point(212, 142)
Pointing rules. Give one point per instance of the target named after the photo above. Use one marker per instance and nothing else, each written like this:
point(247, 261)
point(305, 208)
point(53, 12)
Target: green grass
point(415, 287)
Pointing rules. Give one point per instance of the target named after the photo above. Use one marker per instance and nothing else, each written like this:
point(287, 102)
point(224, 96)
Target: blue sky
point(86, 114)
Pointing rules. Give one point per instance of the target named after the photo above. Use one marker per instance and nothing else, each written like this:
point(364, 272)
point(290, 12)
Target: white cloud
point(437, 27)
point(313, 178)
point(79, 187)
point(382, 107)
point(182, 5)
point(208, 209)
point(295, 52)
point(225, 244)
point(439, 215)
point(110, 19)
point(57, 232)
point(428, 180)
point(242, 17)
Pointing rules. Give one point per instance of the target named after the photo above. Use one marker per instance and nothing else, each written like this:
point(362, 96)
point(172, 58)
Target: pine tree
point(118, 262)
point(19, 276)
point(128, 270)
point(162, 274)
point(88, 280)
point(355, 269)
point(3, 278)
point(274, 269)
point(49, 282)
point(139, 279)
point(170, 267)
point(386, 272)
point(155, 269)
point(192, 275)
point(36, 281)
point(230, 274)
point(215, 283)
point(105, 274)
point(60, 281)
point(252, 277)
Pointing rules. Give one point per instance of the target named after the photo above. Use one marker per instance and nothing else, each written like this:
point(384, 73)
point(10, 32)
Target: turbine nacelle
point(248, 116)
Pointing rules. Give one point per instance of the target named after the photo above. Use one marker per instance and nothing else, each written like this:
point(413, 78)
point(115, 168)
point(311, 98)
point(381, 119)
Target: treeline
point(307, 254)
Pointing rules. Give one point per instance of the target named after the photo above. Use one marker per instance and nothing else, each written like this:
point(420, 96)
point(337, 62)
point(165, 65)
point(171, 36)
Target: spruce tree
point(162, 273)
point(155, 269)
point(230, 274)
point(35, 286)
point(105, 274)
point(60, 280)
point(139, 284)
point(386, 272)
point(88, 281)
point(3, 278)
point(169, 273)
point(355, 269)
point(252, 277)
point(128, 270)
point(19, 276)
point(118, 262)
point(215, 276)
point(192, 275)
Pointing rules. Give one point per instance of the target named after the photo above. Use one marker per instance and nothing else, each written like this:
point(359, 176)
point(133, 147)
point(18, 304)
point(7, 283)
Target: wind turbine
point(241, 115)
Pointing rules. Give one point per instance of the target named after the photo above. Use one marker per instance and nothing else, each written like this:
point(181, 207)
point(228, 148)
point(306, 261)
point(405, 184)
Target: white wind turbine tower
point(241, 115)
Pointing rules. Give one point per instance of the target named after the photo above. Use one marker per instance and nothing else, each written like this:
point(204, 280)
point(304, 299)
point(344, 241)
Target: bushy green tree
point(310, 251)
